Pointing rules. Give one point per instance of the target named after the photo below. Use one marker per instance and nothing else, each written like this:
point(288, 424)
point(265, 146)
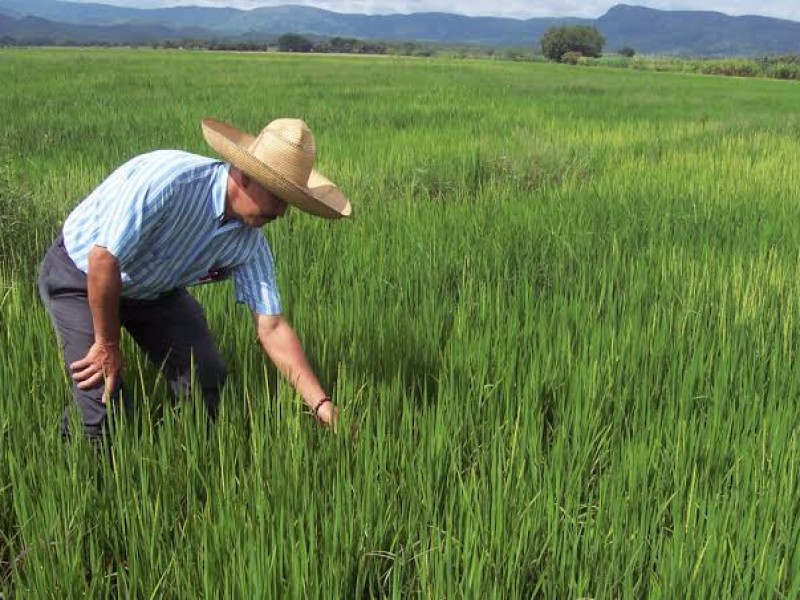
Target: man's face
point(258, 206)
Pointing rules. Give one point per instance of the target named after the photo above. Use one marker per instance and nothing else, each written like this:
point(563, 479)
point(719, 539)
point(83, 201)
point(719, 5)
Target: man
point(164, 221)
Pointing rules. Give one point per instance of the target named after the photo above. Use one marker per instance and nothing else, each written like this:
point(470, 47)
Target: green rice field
point(562, 328)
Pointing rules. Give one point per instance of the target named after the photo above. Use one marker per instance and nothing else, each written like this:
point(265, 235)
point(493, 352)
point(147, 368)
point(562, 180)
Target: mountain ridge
point(651, 31)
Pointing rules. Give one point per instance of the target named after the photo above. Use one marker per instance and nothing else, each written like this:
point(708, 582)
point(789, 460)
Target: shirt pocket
point(215, 274)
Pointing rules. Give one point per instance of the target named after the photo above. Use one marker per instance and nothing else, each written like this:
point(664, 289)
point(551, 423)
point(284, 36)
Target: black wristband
point(319, 404)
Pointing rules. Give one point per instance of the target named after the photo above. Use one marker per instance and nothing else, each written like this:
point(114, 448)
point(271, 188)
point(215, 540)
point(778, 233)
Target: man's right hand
point(102, 365)
point(103, 362)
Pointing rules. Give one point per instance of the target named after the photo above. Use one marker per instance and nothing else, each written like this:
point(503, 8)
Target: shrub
point(571, 58)
point(627, 52)
point(731, 68)
point(784, 70)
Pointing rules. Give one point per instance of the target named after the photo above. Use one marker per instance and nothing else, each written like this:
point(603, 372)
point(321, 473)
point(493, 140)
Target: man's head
point(277, 166)
point(250, 202)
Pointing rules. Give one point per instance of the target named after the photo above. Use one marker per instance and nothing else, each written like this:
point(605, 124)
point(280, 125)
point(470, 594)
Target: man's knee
point(209, 371)
point(214, 373)
point(212, 376)
point(93, 416)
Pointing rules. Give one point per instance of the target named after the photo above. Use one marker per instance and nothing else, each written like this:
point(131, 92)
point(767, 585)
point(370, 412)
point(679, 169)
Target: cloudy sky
point(784, 9)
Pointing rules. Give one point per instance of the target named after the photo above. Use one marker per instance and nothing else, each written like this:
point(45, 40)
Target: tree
point(343, 45)
point(627, 52)
point(292, 42)
point(587, 40)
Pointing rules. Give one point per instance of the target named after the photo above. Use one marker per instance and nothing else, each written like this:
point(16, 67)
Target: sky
point(520, 9)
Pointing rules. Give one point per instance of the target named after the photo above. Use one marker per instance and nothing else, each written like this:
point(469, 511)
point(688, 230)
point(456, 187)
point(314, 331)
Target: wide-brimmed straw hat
point(281, 159)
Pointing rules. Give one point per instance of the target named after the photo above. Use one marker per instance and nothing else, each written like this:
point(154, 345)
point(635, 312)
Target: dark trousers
point(172, 330)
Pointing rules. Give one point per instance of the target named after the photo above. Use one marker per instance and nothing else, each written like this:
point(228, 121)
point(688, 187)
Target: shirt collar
point(219, 191)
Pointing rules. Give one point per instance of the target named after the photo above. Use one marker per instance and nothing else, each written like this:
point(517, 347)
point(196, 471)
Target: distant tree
point(372, 48)
point(586, 40)
point(193, 43)
point(627, 52)
point(408, 48)
point(416, 49)
point(343, 45)
point(292, 42)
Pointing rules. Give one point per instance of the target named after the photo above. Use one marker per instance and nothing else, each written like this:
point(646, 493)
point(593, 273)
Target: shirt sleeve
point(255, 284)
point(136, 204)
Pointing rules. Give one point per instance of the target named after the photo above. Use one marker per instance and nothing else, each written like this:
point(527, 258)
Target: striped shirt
point(160, 214)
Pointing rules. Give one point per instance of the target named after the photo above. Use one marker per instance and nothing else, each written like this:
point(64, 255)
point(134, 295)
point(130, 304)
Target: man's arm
point(281, 344)
point(103, 362)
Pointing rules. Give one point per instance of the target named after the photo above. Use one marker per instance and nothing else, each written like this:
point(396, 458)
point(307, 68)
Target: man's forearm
point(284, 350)
point(104, 290)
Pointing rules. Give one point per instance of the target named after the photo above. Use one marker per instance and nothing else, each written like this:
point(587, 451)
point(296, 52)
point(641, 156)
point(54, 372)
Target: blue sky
point(784, 9)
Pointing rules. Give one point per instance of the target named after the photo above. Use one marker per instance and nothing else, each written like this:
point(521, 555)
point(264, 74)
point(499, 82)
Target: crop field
point(562, 327)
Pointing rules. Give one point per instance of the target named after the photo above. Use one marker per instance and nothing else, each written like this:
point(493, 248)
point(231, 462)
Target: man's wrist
point(319, 404)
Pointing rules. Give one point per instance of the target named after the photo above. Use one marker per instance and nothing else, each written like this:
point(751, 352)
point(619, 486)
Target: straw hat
point(281, 159)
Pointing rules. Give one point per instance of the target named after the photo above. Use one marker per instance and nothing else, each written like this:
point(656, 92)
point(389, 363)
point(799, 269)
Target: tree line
point(293, 42)
point(576, 44)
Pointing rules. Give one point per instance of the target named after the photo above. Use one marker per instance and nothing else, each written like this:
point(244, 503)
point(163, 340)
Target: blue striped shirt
point(160, 214)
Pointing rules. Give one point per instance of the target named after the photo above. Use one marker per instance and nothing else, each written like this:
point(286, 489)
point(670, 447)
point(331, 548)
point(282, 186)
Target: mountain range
point(649, 31)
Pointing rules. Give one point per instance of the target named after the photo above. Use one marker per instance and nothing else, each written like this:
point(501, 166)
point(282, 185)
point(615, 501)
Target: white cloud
point(784, 9)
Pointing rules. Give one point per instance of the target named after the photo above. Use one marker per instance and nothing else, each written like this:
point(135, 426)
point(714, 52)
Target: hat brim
point(320, 197)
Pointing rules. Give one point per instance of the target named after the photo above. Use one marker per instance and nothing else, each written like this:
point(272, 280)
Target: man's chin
point(258, 222)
